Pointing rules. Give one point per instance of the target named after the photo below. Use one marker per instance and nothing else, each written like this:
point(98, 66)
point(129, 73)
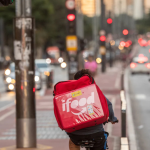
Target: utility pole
point(102, 37)
point(71, 38)
point(24, 70)
point(1, 38)
point(109, 24)
point(120, 20)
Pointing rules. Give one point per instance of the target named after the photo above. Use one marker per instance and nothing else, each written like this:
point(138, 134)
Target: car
point(10, 79)
point(46, 71)
point(140, 64)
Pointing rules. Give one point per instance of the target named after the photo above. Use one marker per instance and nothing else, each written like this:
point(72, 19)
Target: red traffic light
point(127, 44)
point(122, 43)
point(71, 17)
point(102, 38)
point(109, 21)
point(125, 32)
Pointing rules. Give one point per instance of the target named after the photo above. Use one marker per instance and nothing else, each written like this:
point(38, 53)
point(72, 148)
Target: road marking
point(42, 92)
point(117, 83)
point(7, 114)
point(131, 128)
point(140, 96)
point(140, 127)
point(45, 105)
point(7, 96)
point(39, 147)
point(7, 106)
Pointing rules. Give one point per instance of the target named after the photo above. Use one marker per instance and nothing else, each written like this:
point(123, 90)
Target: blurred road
point(139, 87)
point(7, 98)
point(44, 117)
point(48, 132)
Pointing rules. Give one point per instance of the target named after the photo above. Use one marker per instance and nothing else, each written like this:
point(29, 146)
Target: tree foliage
point(49, 17)
point(143, 25)
point(50, 22)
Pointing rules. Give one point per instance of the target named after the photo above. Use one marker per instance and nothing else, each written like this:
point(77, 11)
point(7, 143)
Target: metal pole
point(23, 13)
point(18, 8)
point(120, 20)
point(25, 86)
point(103, 28)
point(110, 48)
point(28, 9)
point(1, 38)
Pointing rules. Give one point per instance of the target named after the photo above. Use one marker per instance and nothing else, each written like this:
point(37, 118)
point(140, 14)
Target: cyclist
point(95, 132)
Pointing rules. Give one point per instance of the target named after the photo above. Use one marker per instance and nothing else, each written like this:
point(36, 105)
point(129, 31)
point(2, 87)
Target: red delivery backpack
point(79, 104)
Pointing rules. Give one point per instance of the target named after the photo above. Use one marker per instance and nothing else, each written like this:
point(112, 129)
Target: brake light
point(141, 55)
point(132, 65)
point(148, 65)
point(33, 89)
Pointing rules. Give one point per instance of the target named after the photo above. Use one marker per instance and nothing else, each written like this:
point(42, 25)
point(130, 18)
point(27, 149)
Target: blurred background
point(111, 38)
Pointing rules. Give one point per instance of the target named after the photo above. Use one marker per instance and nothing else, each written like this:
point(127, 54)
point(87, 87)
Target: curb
point(131, 128)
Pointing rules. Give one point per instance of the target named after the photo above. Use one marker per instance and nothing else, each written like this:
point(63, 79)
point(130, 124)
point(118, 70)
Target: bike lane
point(49, 136)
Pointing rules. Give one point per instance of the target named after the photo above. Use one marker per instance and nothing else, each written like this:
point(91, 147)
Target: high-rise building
point(88, 7)
point(138, 9)
point(147, 6)
point(135, 8)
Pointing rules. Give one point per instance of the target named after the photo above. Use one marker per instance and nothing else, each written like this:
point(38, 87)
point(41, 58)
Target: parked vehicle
point(46, 71)
point(10, 80)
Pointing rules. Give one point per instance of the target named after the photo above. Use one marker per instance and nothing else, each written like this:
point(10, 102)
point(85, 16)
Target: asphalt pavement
point(139, 90)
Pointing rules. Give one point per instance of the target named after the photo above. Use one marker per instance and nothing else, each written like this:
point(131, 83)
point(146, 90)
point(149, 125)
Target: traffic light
point(6, 2)
point(125, 32)
point(102, 40)
point(109, 25)
point(109, 21)
point(82, 44)
point(71, 17)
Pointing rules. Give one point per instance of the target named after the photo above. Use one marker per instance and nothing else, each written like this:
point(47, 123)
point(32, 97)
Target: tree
point(143, 25)
point(49, 17)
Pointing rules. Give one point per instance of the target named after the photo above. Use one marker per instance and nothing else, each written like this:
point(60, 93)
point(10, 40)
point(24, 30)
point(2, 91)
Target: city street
point(46, 42)
point(48, 133)
point(139, 89)
point(45, 118)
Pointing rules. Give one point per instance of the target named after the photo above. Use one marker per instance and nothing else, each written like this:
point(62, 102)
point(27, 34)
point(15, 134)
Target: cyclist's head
point(81, 73)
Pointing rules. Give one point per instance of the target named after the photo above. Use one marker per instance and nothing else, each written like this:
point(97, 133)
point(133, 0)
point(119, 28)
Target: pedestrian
point(91, 65)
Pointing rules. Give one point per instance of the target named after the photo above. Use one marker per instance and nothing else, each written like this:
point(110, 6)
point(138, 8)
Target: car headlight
point(63, 65)
point(36, 78)
point(60, 59)
point(13, 81)
point(7, 72)
point(8, 79)
point(98, 60)
point(11, 87)
point(48, 60)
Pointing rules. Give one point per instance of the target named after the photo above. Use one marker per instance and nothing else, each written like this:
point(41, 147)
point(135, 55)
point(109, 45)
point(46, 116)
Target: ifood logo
point(68, 104)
